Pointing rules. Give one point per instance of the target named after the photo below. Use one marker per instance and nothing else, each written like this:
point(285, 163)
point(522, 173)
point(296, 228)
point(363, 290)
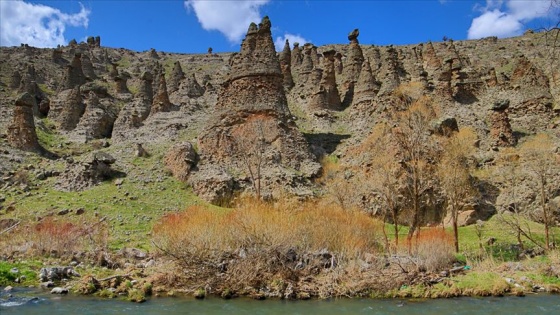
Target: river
point(25, 302)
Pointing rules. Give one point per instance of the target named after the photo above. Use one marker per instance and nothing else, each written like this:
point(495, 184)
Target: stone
point(97, 121)
point(286, 66)
point(352, 68)
point(56, 273)
point(191, 87)
point(177, 75)
point(21, 131)
point(74, 74)
point(59, 290)
point(297, 56)
point(251, 114)
point(67, 109)
point(87, 68)
point(161, 101)
point(366, 87)
point(501, 132)
point(180, 160)
point(327, 96)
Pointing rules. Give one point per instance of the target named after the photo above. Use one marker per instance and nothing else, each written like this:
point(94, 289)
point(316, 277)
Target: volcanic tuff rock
point(180, 160)
point(97, 121)
point(286, 66)
point(67, 109)
point(74, 73)
point(161, 101)
point(252, 124)
point(82, 175)
point(21, 132)
point(237, 108)
point(177, 75)
point(326, 96)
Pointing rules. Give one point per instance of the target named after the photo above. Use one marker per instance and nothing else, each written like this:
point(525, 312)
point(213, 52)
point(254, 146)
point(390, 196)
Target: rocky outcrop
point(191, 87)
point(180, 160)
point(21, 132)
point(79, 176)
point(161, 101)
point(97, 121)
point(67, 109)
point(252, 123)
point(177, 75)
point(74, 74)
point(297, 56)
point(134, 113)
point(327, 97)
point(87, 68)
point(367, 87)
point(121, 85)
point(286, 66)
point(501, 133)
point(352, 67)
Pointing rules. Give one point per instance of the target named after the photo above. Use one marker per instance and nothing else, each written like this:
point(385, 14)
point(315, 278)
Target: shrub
point(434, 249)
point(55, 237)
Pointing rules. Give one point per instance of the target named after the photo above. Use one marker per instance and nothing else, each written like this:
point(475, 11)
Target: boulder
point(180, 160)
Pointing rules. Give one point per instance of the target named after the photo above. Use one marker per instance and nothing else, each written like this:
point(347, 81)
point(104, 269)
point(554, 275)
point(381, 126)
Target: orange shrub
point(434, 248)
point(55, 237)
point(200, 234)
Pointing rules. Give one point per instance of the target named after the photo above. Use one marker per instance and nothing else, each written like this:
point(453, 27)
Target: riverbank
point(276, 250)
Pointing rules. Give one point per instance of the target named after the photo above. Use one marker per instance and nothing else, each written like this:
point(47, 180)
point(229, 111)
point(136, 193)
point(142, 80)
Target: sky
point(192, 26)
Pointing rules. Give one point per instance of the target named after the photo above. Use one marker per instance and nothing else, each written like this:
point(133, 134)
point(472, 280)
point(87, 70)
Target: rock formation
point(180, 160)
point(297, 56)
point(252, 123)
point(21, 132)
point(327, 97)
point(286, 66)
point(134, 113)
point(177, 75)
point(366, 88)
point(161, 101)
point(352, 67)
point(79, 176)
point(97, 120)
point(67, 109)
point(87, 68)
point(74, 73)
point(192, 88)
point(501, 133)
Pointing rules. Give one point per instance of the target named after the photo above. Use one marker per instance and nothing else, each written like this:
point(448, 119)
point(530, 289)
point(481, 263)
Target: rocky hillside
point(260, 121)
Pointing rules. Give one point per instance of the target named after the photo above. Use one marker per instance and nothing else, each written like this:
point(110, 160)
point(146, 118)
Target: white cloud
point(509, 20)
point(231, 18)
point(35, 24)
point(280, 41)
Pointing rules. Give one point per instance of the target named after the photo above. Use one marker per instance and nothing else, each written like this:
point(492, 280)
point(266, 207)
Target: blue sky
point(192, 26)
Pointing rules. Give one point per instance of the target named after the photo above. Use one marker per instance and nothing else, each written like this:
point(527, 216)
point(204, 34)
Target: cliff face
point(276, 107)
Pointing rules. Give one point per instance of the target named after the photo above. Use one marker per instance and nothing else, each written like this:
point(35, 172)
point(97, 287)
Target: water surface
point(27, 302)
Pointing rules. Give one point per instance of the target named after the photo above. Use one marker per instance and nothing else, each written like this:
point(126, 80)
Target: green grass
point(25, 269)
point(145, 195)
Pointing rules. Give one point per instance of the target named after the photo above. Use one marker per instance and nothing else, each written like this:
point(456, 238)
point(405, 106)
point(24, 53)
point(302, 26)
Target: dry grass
point(259, 226)
point(260, 244)
point(55, 238)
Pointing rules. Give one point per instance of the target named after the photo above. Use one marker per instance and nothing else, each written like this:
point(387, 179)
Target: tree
point(416, 153)
point(541, 165)
point(454, 176)
point(386, 176)
point(249, 145)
